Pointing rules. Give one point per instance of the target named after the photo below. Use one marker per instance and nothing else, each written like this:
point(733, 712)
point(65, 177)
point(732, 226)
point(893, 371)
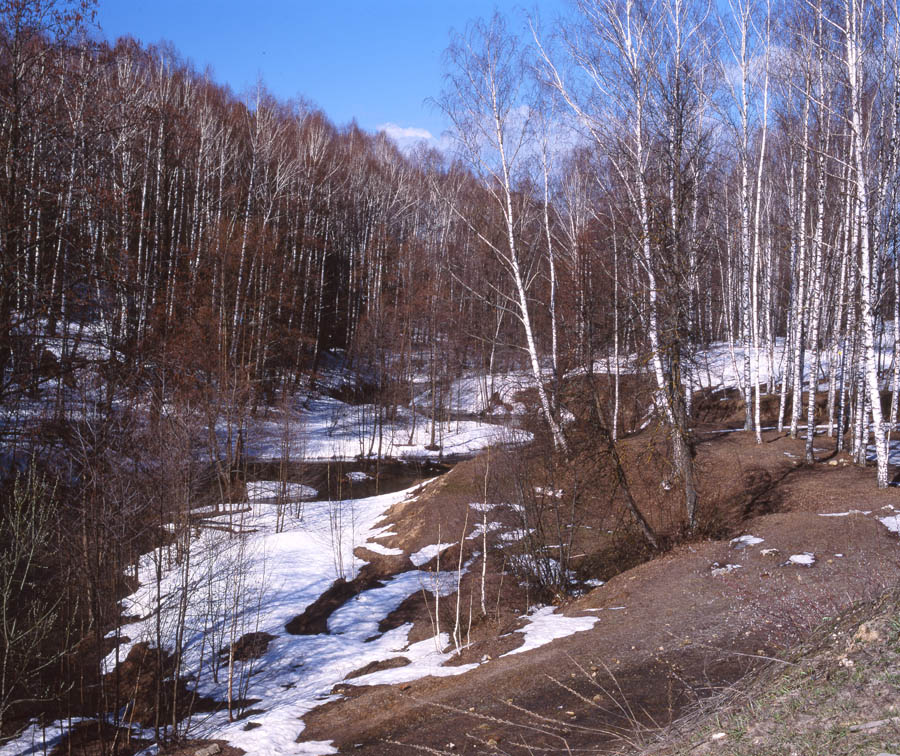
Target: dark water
point(334, 480)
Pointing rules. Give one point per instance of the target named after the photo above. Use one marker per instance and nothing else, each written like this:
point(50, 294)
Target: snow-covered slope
point(229, 586)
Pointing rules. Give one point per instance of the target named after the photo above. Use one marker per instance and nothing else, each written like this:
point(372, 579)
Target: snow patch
point(281, 574)
point(271, 490)
point(426, 658)
point(480, 530)
point(36, 739)
point(324, 428)
point(892, 523)
point(545, 626)
point(379, 548)
point(745, 540)
point(425, 555)
point(515, 535)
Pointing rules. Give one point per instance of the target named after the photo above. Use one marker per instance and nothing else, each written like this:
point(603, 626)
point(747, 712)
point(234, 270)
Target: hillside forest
point(618, 196)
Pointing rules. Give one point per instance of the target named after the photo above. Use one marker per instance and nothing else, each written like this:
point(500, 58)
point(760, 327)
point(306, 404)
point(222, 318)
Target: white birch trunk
point(853, 33)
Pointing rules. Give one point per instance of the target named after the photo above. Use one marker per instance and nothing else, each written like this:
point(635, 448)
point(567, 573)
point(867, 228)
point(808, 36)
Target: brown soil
point(377, 666)
point(669, 632)
point(314, 619)
point(249, 646)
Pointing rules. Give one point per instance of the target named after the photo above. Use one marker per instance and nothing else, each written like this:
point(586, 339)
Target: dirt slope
point(669, 632)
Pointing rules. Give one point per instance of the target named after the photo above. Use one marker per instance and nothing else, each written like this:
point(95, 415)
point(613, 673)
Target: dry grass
point(837, 694)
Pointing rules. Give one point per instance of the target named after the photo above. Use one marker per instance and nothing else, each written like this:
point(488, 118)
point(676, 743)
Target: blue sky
point(366, 59)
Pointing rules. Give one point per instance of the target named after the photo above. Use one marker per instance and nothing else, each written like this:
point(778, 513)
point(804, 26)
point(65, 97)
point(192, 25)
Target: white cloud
point(405, 133)
point(407, 138)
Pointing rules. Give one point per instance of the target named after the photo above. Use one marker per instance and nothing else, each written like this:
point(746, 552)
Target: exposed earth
point(670, 632)
point(782, 549)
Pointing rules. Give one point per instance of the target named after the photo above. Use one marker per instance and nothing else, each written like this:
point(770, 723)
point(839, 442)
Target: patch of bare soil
point(314, 619)
point(249, 646)
point(670, 631)
point(377, 666)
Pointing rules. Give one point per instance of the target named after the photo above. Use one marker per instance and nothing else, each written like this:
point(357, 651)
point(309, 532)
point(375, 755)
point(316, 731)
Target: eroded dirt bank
point(668, 632)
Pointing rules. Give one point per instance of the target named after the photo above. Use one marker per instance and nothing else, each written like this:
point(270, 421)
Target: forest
point(626, 192)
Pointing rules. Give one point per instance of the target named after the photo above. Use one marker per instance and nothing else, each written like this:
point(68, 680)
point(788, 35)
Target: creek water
point(341, 479)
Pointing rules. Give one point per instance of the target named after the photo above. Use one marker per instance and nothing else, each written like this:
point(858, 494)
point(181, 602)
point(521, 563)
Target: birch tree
point(614, 52)
point(746, 75)
point(492, 123)
point(854, 21)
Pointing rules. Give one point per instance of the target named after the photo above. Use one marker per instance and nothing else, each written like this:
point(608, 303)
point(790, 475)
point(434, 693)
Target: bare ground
point(670, 631)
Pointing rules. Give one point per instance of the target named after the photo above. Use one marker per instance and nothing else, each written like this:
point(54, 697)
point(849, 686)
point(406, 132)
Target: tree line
point(654, 176)
point(732, 176)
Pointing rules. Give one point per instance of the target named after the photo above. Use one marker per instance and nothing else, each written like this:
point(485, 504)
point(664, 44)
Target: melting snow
point(270, 490)
point(425, 658)
point(326, 429)
point(744, 541)
point(425, 555)
point(544, 626)
point(845, 514)
point(379, 548)
point(515, 535)
point(892, 523)
point(479, 529)
point(37, 739)
point(282, 573)
point(806, 559)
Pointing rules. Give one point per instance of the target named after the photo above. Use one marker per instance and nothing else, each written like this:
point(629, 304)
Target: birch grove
point(623, 191)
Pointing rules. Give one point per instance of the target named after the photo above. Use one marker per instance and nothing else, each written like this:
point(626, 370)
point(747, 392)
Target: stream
point(338, 480)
